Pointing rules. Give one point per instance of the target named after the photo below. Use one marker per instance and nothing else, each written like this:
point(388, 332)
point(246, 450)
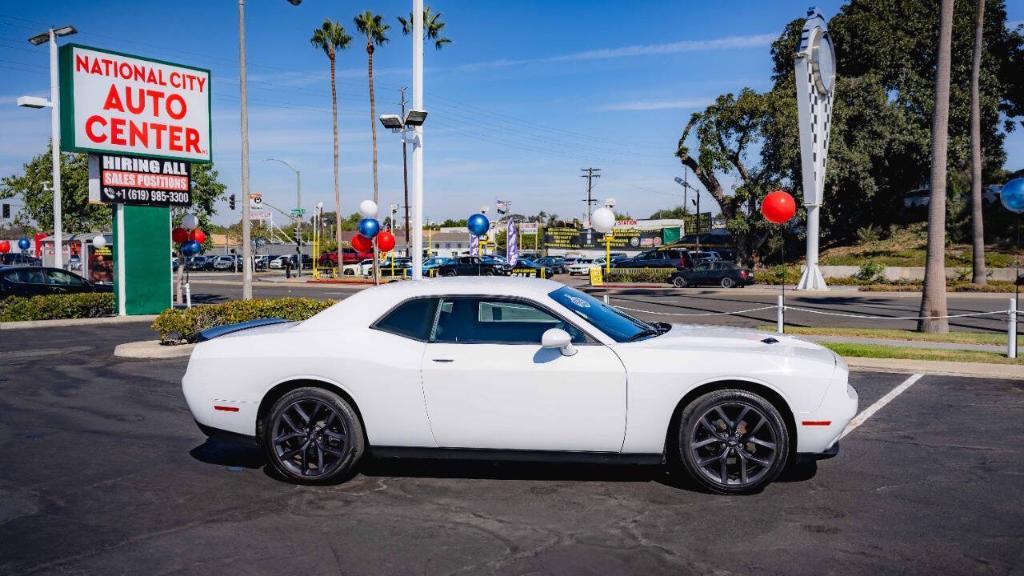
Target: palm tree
point(331, 37)
point(432, 26)
point(977, 223)
point(375, 30)
point(933, 299)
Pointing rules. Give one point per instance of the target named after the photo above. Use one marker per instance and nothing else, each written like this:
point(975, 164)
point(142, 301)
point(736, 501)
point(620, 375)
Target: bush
point(774, 274)
point(871, 272)
point(655, 275)
point(868, 234)
point(175, 326)
point(56, 307)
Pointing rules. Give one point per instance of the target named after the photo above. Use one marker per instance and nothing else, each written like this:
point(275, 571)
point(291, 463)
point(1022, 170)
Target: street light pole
point(246, 212)
point(50, 37)
point(298, 205)
point(417, 148)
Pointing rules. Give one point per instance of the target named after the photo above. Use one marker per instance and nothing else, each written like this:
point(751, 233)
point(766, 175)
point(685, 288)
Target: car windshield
point(618, 325)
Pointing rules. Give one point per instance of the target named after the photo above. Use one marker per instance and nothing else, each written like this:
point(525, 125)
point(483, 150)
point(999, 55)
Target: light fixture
point(45, 36)
point(392, 121)
point(680, 181)
point(415, 118)
point(33, 102)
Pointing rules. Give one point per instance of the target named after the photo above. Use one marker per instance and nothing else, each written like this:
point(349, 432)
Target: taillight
point(743, 274)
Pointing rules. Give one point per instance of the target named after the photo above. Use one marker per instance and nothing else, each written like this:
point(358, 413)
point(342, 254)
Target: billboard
point(139, 181)
point(122, 104)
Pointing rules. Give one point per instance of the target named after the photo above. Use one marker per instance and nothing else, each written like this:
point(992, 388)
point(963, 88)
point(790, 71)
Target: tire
point(324, 447)
point(735, 428)
point(450, 273)
point(679, 282)
point(728, 282)
point(488, 272)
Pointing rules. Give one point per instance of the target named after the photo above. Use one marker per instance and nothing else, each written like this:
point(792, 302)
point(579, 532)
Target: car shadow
point(230, 454)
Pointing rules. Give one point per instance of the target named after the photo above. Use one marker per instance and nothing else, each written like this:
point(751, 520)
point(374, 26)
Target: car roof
point(364, 307)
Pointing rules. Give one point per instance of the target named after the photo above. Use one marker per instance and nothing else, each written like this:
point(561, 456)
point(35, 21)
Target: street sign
point(297, 212)
point(260, 215)
point(256, 201)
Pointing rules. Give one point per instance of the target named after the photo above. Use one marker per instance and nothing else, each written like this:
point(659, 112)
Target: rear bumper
point(227, 435)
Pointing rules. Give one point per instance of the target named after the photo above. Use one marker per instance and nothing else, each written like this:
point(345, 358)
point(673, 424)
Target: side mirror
point(558, 338)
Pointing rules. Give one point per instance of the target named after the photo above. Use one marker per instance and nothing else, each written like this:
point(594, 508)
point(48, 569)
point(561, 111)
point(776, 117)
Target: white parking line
point(879, 404)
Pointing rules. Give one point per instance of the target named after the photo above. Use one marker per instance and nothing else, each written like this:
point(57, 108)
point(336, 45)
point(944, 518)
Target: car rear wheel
point(312, 436)
point(728, 282)
point(679, 282)
point(732, 441)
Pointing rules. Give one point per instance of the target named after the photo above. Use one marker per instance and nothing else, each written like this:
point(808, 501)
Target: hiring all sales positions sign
point(113, 103)
point(139, 181)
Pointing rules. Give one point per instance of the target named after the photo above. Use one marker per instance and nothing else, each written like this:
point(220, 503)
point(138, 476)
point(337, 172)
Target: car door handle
point(443, 360)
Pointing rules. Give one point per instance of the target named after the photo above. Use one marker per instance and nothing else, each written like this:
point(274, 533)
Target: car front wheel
point(313, 436)
point(679, 282)
point(732, 441)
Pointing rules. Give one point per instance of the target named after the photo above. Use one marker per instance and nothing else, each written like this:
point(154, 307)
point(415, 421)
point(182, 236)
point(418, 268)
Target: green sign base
point(142, 259)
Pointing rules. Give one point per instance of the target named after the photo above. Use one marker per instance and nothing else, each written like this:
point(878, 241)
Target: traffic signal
point(7, 211)
point(231, 202)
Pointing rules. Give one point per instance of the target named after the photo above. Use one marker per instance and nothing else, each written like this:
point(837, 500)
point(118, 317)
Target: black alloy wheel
point(732, 441)
point(313, 436)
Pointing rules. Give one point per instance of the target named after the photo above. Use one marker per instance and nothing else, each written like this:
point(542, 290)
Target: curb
point(963, 369)
point(152, 349)
point(76, 322)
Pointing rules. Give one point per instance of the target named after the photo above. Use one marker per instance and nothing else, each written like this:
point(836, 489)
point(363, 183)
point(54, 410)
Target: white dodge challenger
point(516, 368)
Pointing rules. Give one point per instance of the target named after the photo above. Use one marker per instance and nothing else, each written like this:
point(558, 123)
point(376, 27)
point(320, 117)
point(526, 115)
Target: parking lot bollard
point(188, 295)
point(607, 300)
point(1011, 331)
point(780, 318)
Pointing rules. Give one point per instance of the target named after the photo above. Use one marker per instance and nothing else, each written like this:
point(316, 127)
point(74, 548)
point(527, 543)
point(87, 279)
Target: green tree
point(432, 27)
point(34, 188)
point(331, 37)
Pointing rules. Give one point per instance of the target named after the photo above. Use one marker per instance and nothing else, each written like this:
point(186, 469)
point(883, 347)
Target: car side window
point(61, 278)
point(31, 276)
point(474, 320)
point(412, 319)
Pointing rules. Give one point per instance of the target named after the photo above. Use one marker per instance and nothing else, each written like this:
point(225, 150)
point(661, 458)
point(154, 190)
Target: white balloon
point(99, 241)
point(190, 222)
point(368, 208)
point(603, 220)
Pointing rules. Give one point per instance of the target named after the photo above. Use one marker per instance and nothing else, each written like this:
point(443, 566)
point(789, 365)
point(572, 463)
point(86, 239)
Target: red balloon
point(197, 235)
point(5, 246)
point(179, 235)
point(778, 207)
point(362, 244)
point(385, 241)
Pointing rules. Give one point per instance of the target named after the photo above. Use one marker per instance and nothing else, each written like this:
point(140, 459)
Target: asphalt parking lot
point(102, 471)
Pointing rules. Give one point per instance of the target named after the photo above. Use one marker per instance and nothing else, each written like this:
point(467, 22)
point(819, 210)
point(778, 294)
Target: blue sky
point(528, 93)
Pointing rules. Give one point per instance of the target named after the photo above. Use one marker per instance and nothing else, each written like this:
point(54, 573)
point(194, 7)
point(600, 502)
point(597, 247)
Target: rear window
point(412, 319)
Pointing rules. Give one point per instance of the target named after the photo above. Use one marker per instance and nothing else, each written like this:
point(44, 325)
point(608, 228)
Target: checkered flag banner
point(512, 243)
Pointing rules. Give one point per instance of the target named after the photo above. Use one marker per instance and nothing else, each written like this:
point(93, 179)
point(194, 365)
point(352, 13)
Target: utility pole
point(590, 174)
point(246, 215)
point(405, 171)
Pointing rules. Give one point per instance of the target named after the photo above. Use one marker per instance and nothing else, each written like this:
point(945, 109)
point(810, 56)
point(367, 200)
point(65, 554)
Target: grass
point(907, 335)
point(906, 246)
point(882, 351)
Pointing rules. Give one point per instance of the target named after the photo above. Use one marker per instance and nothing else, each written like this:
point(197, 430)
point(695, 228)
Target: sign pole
point(417, 146)
point(58, 224)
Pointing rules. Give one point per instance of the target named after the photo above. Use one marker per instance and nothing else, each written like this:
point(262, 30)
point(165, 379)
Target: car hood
point(715, 338)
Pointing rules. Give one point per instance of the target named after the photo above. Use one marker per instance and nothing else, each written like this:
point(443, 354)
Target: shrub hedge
point(655, 275)
point(175, 326)
point(56, 307)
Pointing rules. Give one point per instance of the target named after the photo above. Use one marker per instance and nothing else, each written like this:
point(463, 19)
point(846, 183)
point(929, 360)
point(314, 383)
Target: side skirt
point(515, 455)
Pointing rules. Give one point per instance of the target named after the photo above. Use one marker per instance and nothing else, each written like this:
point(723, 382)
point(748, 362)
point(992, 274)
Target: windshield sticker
point(579, 301)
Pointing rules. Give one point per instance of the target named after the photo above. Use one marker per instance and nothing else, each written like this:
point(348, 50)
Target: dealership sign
point(120, 104)
point(139, 181)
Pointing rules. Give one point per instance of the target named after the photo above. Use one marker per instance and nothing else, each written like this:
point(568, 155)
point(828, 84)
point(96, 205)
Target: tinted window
point(412, 319)
point(615, 323)
point(480, 320)
point(62, 278)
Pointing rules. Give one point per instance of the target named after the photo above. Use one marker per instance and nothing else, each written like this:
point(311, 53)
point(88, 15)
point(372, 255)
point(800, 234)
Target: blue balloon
point(1012, 195)
point(369, 227)
point(24, 244)
point(478, 225)
point(191, 248)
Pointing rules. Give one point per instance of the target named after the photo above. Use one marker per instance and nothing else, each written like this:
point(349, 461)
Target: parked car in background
point(260, 262)
point(657, 258)
point(538, 269)
point(357, 269)
point(432, 265)
point(226, 262)
point(704, 256)
point(581, 266)
point(724, 274)
point(348, 255)
point(556, 263)
point(198, 263)
point(31, 281)
point(474, 266)
point(19, 259)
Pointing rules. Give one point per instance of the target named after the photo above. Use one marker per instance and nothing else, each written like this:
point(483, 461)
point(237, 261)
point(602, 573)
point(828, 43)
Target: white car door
point(488, 383)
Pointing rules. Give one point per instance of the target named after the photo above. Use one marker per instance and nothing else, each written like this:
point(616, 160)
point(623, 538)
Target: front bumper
point(818, 431)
